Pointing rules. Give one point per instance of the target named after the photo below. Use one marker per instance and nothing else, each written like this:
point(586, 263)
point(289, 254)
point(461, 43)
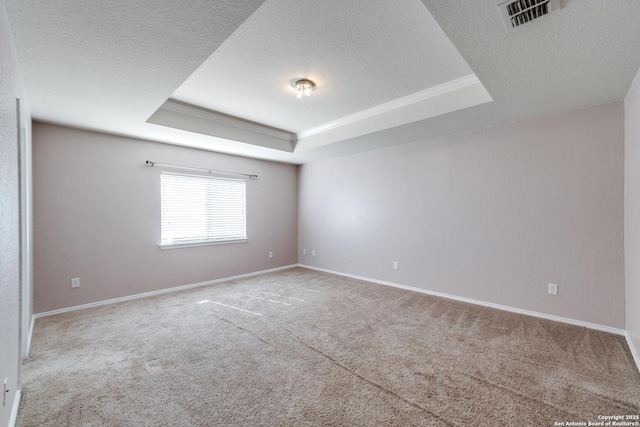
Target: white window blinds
point(202, 209)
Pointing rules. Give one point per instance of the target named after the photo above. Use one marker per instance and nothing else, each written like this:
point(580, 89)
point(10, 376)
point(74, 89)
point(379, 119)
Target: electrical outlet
point(313, 252)
point(553, 289)
point(5, 391)
point(75, 282)
point(270, 254)
point(395, 265)
point(304, 252)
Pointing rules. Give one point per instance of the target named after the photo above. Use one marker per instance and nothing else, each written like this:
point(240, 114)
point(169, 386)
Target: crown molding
point(225, 119)
point(414, 98)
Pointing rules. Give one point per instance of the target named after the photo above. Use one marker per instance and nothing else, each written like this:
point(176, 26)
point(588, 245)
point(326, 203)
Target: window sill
point(191, 245)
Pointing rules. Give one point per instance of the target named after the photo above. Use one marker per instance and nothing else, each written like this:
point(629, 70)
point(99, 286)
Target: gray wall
point(11, 87)
point(493, 215)
point(97, 217)
point(632, 211)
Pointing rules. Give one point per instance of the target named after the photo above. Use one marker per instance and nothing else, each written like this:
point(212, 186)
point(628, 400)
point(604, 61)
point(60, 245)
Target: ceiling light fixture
point(303, 87)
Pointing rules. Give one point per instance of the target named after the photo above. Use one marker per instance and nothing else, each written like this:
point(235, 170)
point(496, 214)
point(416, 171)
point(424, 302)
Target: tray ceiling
point(217, 75)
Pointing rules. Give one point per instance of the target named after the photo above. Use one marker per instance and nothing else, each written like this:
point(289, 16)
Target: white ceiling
point(359, 53)
point(386, 72)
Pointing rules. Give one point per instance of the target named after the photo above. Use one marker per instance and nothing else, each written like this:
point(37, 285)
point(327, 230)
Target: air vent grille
point(519, 12)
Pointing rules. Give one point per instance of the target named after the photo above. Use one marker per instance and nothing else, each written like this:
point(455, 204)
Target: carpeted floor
point(304, 348)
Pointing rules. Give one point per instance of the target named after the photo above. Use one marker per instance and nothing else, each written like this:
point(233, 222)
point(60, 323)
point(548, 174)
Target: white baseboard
point(634, 351)
point(160, 291)
point(478, 302)
point(14, 409)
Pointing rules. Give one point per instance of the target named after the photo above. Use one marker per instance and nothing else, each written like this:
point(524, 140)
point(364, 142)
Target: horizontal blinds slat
point(200, 209)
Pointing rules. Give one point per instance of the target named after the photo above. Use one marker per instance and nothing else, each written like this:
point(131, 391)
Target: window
point(202, 209)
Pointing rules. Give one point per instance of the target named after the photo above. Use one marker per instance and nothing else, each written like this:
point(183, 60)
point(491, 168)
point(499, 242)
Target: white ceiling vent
point(519, 12)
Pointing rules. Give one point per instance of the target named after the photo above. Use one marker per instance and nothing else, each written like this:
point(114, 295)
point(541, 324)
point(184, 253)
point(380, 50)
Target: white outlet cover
point(553, 289)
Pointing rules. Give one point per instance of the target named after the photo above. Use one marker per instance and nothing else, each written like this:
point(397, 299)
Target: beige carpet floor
point(304, 348)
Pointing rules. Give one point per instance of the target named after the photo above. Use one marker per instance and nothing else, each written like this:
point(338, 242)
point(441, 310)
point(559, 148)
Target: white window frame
point(199, 210)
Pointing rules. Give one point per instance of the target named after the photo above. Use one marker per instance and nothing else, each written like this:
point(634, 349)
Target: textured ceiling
point(359, 53)
point(375, 64)
point(109, 66)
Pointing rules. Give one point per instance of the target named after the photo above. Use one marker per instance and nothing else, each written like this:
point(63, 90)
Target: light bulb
point(303, 87)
